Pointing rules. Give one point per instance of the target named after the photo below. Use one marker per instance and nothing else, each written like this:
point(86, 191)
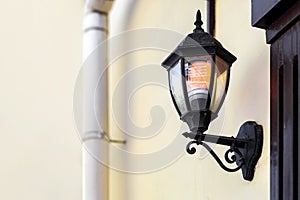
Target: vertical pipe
point(95, 174)
point(211, 17)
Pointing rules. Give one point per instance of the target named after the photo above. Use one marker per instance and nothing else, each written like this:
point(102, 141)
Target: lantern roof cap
point(198, 42)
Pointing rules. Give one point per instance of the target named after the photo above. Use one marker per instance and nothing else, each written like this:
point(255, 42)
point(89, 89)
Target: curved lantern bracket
point(246, 147)
point(232, 159)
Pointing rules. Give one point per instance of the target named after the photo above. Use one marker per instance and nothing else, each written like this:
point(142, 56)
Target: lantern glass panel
point(198, 74)
point(220, 82)
point(176, 87)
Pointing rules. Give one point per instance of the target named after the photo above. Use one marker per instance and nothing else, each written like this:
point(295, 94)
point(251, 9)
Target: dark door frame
point(281, 20)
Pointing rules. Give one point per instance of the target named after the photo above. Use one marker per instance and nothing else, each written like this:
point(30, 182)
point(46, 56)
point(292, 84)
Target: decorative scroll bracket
point(247, 147)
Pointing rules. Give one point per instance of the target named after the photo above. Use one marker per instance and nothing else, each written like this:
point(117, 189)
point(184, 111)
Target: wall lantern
point(199, 71)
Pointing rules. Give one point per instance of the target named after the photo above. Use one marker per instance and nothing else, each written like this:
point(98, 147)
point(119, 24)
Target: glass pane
point(197, 73)
point(221, 74)
point(175, 80)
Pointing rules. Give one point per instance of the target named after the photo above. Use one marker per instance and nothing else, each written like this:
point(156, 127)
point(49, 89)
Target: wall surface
point(40, 151)
point(153, 163)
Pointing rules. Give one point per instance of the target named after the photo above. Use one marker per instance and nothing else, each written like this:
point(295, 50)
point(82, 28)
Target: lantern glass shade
point(198, 71)
point(199, 83)
point(221, 79)
point(176, 80)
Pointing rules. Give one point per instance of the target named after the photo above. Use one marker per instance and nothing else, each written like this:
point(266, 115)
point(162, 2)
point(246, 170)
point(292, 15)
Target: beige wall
point(40, 152)
point(186, 177)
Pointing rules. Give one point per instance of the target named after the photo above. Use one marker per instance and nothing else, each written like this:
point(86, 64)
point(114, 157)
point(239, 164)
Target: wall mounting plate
point(252, 132)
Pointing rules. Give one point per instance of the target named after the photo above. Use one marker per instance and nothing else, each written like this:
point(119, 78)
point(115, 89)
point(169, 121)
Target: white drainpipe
point(94, 174)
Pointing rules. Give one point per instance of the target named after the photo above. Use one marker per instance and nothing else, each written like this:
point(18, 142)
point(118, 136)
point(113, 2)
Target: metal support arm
point(227, 141)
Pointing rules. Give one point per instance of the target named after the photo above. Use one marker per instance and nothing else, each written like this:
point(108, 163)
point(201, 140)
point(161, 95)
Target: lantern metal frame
point(246, 148)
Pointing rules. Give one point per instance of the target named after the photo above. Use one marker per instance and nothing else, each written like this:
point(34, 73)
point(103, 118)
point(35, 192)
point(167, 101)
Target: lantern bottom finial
point(198, 121)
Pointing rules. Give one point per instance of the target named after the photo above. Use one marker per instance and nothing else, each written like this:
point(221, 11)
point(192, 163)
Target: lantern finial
point(198, 23)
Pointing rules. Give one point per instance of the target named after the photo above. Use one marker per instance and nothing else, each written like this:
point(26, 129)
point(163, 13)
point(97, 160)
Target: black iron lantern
point(199, 73)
